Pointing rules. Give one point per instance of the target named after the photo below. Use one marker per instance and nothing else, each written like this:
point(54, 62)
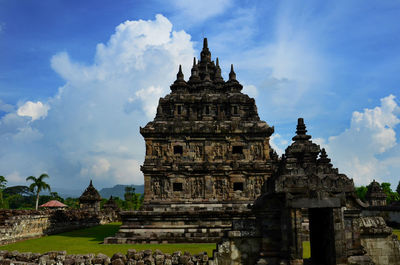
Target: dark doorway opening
point(322, 237)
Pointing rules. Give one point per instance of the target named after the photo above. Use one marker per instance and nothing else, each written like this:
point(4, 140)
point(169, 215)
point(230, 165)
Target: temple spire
point(323, 157)
point(205, 44)
point(195, 72)
point(301, 127)
point(179, 83)
point(218, 77)
point(205, 55)
point(179, 75)
point(301, 131)
point(232, 74)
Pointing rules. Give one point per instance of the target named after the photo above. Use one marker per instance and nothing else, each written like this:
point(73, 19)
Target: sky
point(78, 79)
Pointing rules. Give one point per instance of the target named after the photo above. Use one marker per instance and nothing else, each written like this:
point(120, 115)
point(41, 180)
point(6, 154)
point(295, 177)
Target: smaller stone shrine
point(111, 205)
point(375, 195)
point(306, 182)
point(90, 199)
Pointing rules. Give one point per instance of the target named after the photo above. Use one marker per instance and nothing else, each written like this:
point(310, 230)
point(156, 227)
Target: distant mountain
point(119, 191)
point(65, 192)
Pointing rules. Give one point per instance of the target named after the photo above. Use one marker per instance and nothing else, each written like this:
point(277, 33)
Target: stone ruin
point(90, 199)
point(375, 195)
point(211, 176)
point(207, 158)
point(207, 144)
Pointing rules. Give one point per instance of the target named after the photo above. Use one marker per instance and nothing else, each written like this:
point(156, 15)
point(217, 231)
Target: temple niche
point(207, 143)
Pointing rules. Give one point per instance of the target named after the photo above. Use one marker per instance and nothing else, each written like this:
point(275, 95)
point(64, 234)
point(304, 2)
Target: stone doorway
point(322, 236)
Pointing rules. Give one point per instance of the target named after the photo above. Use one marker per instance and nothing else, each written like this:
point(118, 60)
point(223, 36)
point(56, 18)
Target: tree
point(21, 190)
point(391, 196)
point(38, 185)
point(398, 188)
point(361, 192)
point(133, 200)
point(3, 183)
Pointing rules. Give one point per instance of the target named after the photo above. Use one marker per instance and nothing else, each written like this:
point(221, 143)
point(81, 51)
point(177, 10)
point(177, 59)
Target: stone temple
point(211, 176)
point(207, 144)
point(207, 159)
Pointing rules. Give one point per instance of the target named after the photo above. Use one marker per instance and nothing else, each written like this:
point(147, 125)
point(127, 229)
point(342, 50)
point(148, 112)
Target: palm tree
point(38, 185)
point(3, 183)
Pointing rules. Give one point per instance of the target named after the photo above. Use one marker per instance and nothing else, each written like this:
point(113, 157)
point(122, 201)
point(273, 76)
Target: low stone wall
point(180, 226)
point(133, 257)
point(379, 242)
point(390, 213)
point(17, 225)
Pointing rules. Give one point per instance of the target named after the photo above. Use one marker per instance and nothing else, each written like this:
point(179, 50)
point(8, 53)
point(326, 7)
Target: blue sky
point(78, 78)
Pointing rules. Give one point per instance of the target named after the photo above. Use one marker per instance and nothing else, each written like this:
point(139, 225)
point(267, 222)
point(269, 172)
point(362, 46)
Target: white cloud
point(358, 150)
point(149, 97)
point(14, 178)
point(101, 167)
point(250, 90)
point(34, 110)
point(92, 130)
point(278, 143)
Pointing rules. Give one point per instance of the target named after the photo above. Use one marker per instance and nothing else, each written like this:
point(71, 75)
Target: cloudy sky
point(78, 78)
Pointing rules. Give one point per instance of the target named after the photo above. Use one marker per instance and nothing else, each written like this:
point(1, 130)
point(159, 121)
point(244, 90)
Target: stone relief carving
point(198, 152)
point(197, 188)
point(219, 188)
point(218, 152)
point(256, 152)
point(156, 184)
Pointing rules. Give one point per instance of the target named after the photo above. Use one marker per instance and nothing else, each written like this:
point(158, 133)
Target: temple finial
point(232, 74)
point(195, 72)
point(90, 184)
point(205, 54)
point(323, 157)
point(301, 127)
point(218, 77)
point(179, 75)
point(205, 43)
point(301, 131)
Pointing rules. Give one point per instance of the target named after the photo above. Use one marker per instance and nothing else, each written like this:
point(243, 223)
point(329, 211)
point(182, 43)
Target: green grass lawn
point(89, 240)
point(397, 233)
point(306, 250)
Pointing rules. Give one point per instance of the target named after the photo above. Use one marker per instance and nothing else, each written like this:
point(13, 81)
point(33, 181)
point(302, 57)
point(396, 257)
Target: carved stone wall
point(207, 142)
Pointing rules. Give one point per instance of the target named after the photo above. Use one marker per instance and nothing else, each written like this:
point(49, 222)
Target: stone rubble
point(132, 257)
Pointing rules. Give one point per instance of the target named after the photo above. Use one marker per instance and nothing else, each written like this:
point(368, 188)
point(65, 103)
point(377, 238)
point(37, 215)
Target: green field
point(397, 233)
point(90, 240)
